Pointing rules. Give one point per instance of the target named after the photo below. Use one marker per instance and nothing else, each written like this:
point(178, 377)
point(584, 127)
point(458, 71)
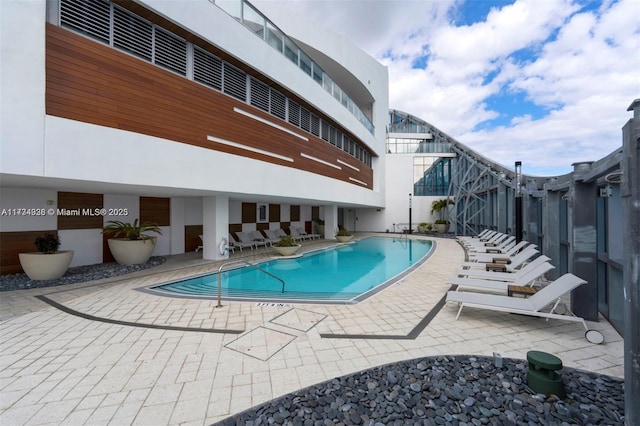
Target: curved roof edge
point(606, 164)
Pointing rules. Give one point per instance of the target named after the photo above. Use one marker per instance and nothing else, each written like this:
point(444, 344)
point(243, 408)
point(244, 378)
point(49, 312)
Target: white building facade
point(206, 119)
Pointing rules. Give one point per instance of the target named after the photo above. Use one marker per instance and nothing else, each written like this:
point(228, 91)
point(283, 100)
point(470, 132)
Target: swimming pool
point(345, 273)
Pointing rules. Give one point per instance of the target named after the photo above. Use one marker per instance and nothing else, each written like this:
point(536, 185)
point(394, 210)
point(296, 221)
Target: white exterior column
point(177, 224)
point(215, 226)
point(330, 221)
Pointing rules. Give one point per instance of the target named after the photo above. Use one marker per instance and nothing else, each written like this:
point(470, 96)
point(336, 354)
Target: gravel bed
point(77, 274)
point(444, 390)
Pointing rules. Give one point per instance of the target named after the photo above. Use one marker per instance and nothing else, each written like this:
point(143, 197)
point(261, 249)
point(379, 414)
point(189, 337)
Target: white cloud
point(583, 75)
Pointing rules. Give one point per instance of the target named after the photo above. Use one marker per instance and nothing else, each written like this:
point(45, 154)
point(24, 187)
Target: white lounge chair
point(257, 236)
point(248, 239)
point(235, 243)
point(503, 276)
point(483, 234)
point(506, 264)
point(504, 245)
point(200, 247)
point(301, 231)
point(504, 242)
point(272, 235)
point(279, 232)
point(512, 251)
point(526, 279)
point(549, 295)
point(485, 238)
point(295, 234)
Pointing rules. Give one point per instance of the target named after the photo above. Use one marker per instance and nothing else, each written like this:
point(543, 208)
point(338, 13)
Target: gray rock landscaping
point(444, 390)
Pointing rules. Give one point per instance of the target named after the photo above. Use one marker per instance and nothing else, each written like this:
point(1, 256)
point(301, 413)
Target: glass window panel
point(274, 37)
point(317, 73)
point(232, 7)
point(291, 50)
point(305, 63)
point(253, 20)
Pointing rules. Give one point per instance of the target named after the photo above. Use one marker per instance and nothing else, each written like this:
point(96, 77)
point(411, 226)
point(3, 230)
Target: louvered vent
point(305, 119)
point(132, 34)
point(259, 94)
point(90, 18)
point(294, 113)
point(325, 131)
point(315, 124)
point(333, 135)
point(171, 52)
point(278, 104)
point(207, 69)
point(235, 82)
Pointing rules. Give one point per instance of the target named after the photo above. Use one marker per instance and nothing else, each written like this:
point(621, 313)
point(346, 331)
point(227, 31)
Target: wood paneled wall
point(294, 214)
point(13, 243)
point(78, 205)
point(249, 213)
point(274, 212)
point(156, 210)
point(91, 82)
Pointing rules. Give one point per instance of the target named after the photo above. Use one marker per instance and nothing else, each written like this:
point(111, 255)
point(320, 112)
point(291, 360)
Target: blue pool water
point(343, 273)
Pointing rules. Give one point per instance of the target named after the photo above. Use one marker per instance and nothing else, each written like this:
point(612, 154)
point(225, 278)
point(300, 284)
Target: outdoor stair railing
point(248, 264)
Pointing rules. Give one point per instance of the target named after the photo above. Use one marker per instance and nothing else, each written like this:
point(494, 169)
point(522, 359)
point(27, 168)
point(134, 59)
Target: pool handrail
point(248, 264)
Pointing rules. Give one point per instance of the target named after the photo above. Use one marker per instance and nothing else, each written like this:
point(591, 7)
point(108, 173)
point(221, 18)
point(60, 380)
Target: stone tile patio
point(116, 355)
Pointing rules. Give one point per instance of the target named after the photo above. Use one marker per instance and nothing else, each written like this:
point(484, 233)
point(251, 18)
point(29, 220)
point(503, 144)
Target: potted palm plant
point(287, 246)
point(48, 263)
point(343, 235)
point(440, 207)
point(130, 244)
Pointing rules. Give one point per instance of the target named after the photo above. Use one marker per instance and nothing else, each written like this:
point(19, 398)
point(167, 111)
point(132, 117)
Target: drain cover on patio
point(299, 319)
point(261, 343)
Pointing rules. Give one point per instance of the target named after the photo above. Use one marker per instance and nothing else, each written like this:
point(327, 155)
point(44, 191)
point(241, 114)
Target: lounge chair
point(257, 236)
point(246, 238)
point(504, 264)
point(301, 231)
point(504, 242)
point(503, 276)
point(504, 245)
point(200, 247)
point(279, 233)
point(295, 234)
point(549, 295)
point(483, 234)
point(526, 279)
point(272, 235)
point(488, 257)
point(235, 243)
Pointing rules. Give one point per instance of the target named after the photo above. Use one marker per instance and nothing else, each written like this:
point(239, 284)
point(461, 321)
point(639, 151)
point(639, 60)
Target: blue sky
point(546, 82)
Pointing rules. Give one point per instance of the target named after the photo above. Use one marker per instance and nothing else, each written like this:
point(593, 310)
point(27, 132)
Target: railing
point(235, 262)
point(254, 20)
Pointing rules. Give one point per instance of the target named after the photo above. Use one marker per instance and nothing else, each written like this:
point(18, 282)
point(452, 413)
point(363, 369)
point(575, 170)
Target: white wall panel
point(178, 207)
point(119, 203)
point(193, 211)
point(22, 198)
point(89, 143)
point(22, 84)
point(85, 243)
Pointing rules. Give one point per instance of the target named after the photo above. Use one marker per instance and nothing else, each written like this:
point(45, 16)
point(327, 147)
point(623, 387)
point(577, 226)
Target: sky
point(545, 82)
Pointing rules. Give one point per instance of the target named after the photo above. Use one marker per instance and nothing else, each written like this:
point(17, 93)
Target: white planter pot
point(287, 251)
point(344, 238)
point(131, 252)
point(441, 227)
point(41, 266)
